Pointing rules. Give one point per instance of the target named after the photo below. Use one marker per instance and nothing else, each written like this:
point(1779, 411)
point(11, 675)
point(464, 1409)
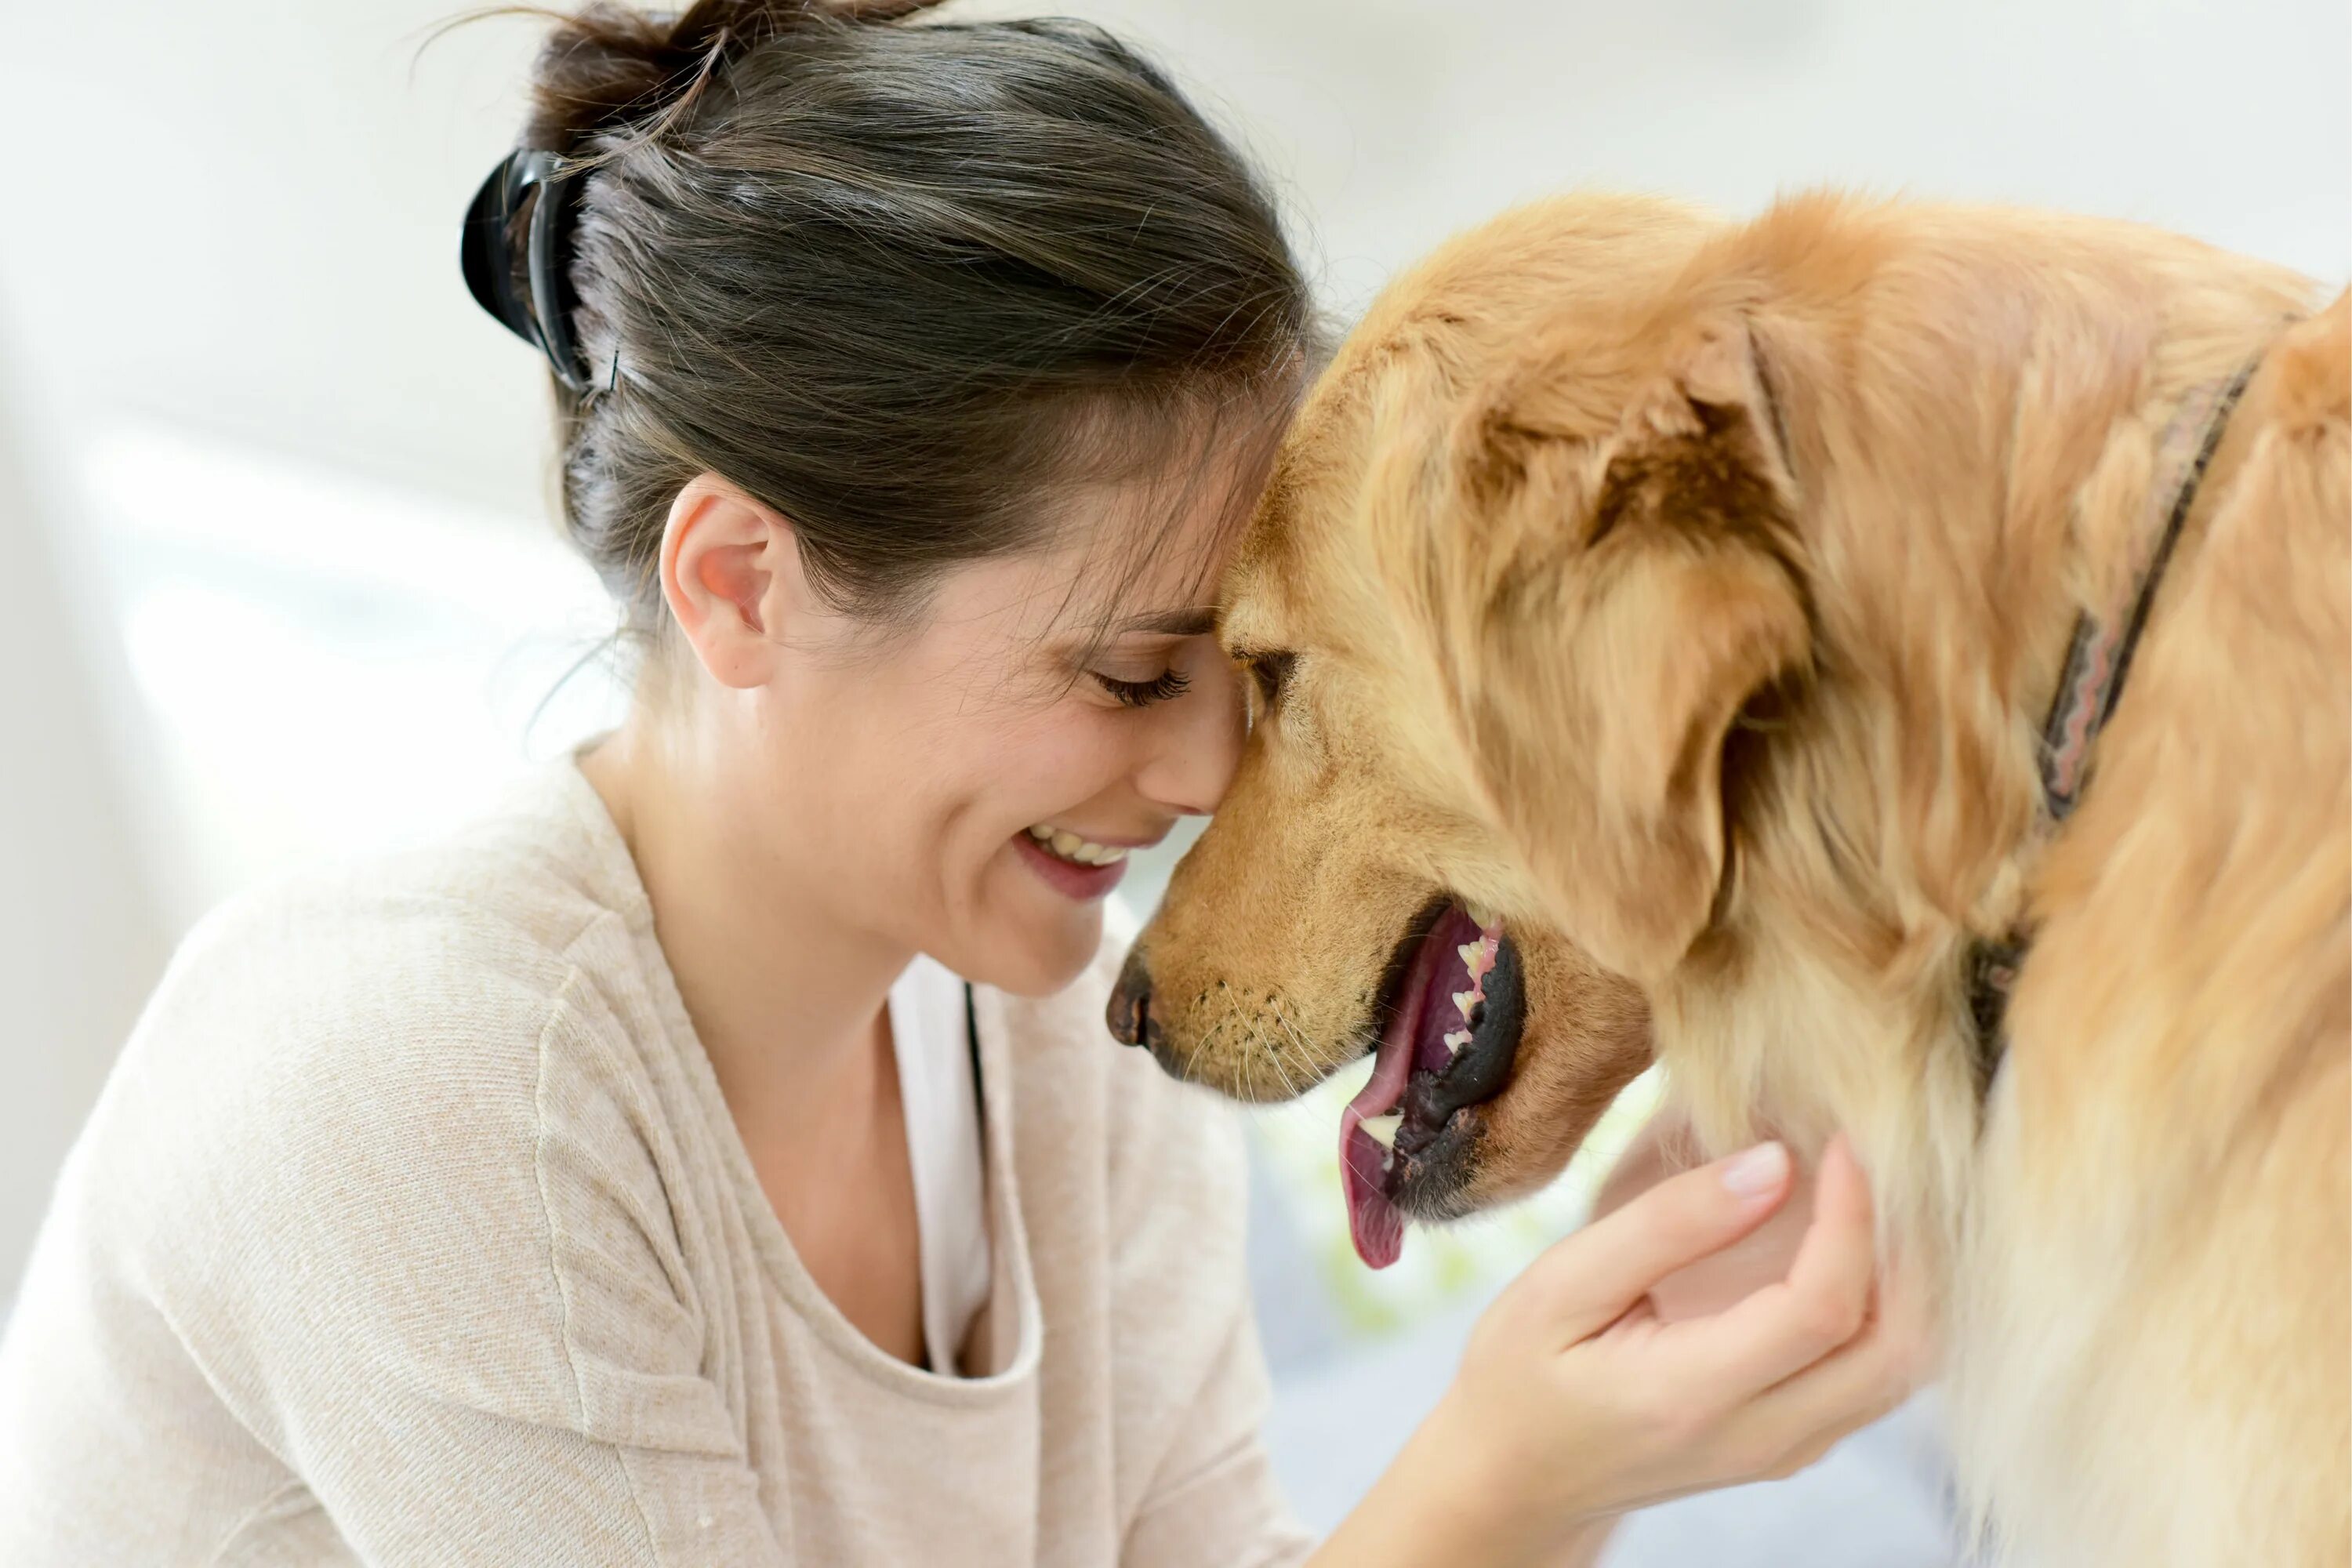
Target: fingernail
point(1755, 1172)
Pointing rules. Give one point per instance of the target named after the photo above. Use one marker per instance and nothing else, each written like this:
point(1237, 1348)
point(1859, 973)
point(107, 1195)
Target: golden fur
point(1693, 594)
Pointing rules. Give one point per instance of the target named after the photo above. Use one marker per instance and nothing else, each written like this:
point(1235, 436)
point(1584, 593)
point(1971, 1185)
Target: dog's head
point(1525, 563)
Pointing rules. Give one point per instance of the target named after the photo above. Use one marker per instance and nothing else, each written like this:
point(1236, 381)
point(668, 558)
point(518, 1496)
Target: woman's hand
point(1577, 1400)
point(1666, 1146)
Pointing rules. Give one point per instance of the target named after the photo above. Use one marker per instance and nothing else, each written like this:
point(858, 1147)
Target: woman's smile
point(1074, 865)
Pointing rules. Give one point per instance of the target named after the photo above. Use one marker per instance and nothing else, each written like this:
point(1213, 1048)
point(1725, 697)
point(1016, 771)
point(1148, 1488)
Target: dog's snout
point(1130, 1013)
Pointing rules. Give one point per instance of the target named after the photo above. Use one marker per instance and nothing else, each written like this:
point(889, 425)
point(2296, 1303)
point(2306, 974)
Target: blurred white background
point(272, 490)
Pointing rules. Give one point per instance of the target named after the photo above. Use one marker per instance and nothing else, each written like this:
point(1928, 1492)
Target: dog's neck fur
point(1890, 817)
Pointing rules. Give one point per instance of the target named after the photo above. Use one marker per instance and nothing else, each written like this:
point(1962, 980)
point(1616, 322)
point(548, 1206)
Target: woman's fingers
point(1587, 1280)
point(1795, 1421)
point(1781, 1328)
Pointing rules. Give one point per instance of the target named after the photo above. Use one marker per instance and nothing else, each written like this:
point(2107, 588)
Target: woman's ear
point(732, 575)
point(1654, 590)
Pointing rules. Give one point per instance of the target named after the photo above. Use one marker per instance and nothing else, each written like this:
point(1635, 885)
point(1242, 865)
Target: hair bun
point(608, 66)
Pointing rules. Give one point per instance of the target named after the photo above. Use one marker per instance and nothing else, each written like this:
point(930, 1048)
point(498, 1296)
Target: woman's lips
point(1082, 884)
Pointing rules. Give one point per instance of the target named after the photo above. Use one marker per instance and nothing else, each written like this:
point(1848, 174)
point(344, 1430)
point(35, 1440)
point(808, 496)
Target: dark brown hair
point(899, 282)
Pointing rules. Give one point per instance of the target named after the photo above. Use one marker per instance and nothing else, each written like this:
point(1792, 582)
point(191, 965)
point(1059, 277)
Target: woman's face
point(970, 787)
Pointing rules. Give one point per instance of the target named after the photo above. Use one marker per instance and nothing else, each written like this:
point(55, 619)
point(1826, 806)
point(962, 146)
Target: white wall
point(242, 216)
point(80, 936)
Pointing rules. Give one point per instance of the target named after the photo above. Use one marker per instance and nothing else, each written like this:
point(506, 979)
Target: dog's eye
point(1270, 670)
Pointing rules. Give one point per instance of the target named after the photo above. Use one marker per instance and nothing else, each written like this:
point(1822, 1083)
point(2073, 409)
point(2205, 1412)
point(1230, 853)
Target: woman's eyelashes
point(1144, 693)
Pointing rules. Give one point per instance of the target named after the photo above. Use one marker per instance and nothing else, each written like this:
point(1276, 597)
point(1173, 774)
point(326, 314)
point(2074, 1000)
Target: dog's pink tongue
point(1372, 1220)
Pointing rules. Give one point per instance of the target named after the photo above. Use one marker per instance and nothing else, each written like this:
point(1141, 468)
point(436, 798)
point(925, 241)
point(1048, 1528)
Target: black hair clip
point(543, 319)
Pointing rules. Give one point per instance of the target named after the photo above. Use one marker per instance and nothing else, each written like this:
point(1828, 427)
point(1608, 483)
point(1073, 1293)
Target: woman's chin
point(1034, 943)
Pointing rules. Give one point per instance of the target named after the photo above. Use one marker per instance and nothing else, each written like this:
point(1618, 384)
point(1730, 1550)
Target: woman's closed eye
point(1168, 683)
point(1147, 666)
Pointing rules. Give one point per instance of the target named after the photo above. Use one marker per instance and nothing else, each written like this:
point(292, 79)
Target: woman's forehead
point(1144, 557)
point(1130, 556)
point(1064, 597)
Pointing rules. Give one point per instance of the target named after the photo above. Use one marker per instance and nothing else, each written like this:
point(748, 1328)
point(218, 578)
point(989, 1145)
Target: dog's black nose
point(1130, 1002)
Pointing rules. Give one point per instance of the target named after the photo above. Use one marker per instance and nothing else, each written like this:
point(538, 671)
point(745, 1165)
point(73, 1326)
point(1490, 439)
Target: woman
point(637, 1179)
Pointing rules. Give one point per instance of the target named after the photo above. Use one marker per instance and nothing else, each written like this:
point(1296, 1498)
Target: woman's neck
point(787, 1000)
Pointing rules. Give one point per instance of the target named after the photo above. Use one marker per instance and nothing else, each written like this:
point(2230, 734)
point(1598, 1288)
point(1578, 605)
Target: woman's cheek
point(1076, 757)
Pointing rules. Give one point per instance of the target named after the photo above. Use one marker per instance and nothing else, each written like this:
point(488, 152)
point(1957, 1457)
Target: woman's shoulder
point(473, 938)
point(415, 1011)
point(394, 1111)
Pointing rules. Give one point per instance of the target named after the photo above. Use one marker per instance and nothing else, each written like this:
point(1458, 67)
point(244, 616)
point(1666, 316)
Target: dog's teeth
point(1465, 1001)
point(1483, 915)
point(1470, 951)
point(1456, 1040)
point(1383, 1129)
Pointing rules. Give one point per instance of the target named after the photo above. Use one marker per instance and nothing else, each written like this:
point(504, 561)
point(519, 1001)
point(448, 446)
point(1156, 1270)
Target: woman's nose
point(1195, 750)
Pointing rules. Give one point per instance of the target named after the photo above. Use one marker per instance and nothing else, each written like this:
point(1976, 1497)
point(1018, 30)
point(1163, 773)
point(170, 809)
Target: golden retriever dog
point(1678, 636)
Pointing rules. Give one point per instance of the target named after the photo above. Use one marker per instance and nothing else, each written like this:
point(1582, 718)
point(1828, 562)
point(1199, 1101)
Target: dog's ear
point(1643, 587)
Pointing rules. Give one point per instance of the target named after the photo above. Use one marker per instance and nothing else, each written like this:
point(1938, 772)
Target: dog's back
point(2150, 1357)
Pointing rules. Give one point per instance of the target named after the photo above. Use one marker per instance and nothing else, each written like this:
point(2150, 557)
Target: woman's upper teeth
point(1070, 846)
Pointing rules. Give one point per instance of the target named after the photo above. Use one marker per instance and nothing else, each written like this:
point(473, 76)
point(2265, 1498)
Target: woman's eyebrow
point(1197, 622)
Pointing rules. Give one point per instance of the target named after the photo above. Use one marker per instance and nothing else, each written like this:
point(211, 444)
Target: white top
point(412, 1228)
point(930, 1036)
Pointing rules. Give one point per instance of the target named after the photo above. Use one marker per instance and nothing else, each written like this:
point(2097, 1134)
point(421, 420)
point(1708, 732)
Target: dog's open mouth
point(1447, 1041)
